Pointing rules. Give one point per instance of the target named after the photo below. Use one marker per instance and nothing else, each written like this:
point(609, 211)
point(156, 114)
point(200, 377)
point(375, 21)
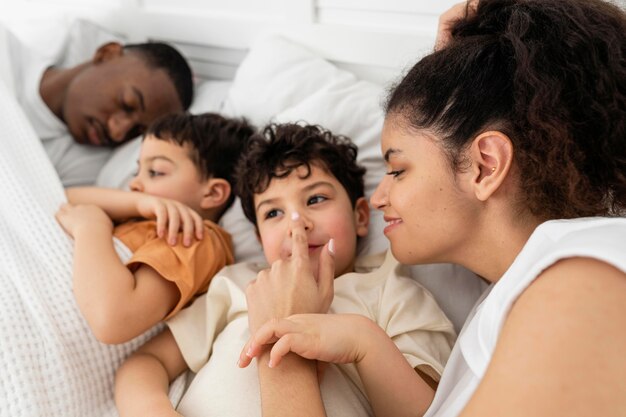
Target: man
point(81, 112)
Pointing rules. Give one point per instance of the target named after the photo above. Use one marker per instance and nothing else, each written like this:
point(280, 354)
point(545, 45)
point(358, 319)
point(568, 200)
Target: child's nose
point(135, 184)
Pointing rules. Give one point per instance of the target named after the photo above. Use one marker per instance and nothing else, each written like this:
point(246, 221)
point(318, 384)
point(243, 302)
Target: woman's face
point(428, 214)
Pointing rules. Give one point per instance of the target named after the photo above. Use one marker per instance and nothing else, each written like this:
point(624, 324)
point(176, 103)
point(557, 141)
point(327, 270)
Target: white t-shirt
point(213, 330)
point(600, 238)
point(76, 164)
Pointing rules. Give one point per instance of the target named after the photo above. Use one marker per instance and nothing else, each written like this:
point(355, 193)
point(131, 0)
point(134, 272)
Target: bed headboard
point(375, 39)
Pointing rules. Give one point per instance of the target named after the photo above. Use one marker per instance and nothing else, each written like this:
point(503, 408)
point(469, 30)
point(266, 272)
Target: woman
point(506, 151)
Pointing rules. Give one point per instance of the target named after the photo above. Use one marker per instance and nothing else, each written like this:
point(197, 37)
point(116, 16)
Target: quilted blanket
point(50, 363)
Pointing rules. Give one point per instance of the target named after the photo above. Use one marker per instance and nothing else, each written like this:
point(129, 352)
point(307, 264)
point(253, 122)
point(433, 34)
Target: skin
point(117, 303)
point(111, 98)
point(324, 212)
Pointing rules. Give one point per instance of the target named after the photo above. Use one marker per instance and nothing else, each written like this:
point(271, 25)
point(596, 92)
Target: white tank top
point(600, 238)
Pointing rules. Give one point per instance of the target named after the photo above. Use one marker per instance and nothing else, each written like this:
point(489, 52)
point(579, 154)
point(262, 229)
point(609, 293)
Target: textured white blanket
point(50, 364)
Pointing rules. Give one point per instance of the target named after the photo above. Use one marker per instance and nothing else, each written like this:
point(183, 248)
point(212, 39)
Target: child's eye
point(152, 173)
point(395, 173)
point(272, 213)
point(316, 199)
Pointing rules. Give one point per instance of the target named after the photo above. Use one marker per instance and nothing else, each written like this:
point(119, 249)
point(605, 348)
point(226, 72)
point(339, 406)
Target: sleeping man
point(81, 112)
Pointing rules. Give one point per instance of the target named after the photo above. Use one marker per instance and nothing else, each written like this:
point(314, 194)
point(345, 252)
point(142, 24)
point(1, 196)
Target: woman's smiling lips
point(391, 223)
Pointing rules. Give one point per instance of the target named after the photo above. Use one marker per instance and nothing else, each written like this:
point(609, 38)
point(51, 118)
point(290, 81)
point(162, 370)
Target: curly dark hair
point(160, 55)
point(551, 74)
point(216, 142)
point(281, 148)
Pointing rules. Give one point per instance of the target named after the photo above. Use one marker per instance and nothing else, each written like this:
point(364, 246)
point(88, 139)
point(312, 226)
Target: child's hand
point(451, 16)
point(73, 217)
point(326, 337)
point(173, 216)
point(289, 286)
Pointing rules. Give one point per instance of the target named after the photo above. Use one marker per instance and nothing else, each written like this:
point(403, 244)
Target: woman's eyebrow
point(390, 152)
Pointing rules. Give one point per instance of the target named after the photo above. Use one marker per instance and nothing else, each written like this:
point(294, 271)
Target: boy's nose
point(135, 184)
point(308, 224)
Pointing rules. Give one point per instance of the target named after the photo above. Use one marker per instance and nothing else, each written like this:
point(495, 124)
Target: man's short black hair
point(160, 55)
point(281, 148)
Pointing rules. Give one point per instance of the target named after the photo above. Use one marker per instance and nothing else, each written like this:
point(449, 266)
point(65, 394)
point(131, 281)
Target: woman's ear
point(108, 51)
point(216, 193)
point(361, 216)
point(492, 156)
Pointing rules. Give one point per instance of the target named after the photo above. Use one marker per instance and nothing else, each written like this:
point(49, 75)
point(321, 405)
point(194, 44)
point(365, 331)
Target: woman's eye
point(316, 199)
point(395, 173)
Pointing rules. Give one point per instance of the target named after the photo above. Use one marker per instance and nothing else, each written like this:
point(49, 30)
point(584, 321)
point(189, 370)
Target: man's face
point(325, 209)
point(112, 101)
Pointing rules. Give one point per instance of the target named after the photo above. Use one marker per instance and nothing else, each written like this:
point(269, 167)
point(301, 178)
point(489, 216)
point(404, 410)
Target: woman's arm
point(561, 350)
point(142, 382)
point(117, 304)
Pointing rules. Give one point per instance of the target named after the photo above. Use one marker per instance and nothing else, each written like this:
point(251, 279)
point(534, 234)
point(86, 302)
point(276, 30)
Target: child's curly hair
point(281, 148)
point(551, 74)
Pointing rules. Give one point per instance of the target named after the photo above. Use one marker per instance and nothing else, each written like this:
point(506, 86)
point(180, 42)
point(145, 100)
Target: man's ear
point(216, 193)
point(492, 156)
point(361, 216)
point(108, 51)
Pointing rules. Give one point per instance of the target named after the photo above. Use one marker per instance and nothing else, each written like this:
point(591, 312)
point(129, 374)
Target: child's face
point(166, 170)
point(325, 209)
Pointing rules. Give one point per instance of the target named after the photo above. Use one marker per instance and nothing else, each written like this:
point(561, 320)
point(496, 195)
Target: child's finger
point(299, 241)
point(326, 272)
point(199, 225)
point(161, 219)
point(188, 225)
point(173, 223)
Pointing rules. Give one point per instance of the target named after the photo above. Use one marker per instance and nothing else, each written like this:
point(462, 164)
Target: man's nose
point(119, 124)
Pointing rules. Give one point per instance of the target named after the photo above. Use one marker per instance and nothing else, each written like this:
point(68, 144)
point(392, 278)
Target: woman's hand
point(449, 18)
point(289, 286)
point(173, 216)
point(72, 217)
point(335, 338)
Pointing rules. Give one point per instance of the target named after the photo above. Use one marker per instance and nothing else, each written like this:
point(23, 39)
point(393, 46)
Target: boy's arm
point(117, 204)
point(170, 215)
point(117, 304)
point(142, 382)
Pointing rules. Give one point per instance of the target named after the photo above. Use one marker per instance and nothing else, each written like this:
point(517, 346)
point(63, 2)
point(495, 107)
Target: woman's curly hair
point(281, 148)
point(551, 74)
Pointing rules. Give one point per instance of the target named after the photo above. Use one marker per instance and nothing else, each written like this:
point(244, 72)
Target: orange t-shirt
point(190, 268)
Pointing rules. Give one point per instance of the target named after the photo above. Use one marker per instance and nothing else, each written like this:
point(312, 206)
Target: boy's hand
point(173, 216)
point(326, 337)
point(73, 217)
point(289, 286)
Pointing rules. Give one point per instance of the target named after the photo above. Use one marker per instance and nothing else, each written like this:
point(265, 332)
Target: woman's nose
point(379, 198)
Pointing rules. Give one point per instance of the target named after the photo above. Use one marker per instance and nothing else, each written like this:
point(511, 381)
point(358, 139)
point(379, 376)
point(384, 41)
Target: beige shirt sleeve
point(196, 327)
